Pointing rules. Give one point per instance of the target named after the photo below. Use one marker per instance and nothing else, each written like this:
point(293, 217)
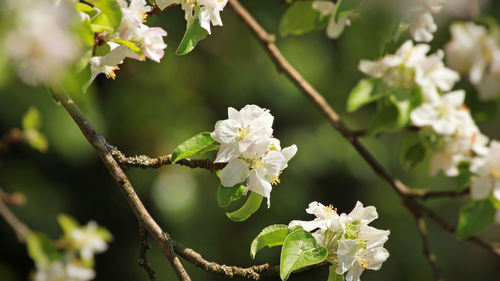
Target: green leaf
point(41, 249)
point(32, 119)
point(344, 7)
point(89, 10)
point(192, 146)
point(392, 116)
point(67, 223)
point(413, 155)
point(475, 216)
point(110, 16)
point(300, 18)
point(465, 176)
point(131, 45)
point(300, 250)
point(271, 236)
point(225, 195)
point(37, 140)
point(194, 34)
point(251, 206)
point(104, 234)
point(365, 92)
point(102, 50)
point(333, 276)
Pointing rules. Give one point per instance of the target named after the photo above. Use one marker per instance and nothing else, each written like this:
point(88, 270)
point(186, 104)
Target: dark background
point(150, 108)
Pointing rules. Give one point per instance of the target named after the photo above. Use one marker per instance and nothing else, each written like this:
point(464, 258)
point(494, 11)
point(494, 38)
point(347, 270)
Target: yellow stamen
point(112, 73)
point(495, 173)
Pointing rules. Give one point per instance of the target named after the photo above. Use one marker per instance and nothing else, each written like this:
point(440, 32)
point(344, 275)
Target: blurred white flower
point(422, 24)
point(63, 271)
point(88, 241)
point(41, 44)
point(334, 28)
point(133, 17)
point(209, 10)
point(487, 168)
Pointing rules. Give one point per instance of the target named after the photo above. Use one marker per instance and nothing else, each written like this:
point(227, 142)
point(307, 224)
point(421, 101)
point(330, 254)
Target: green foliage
point(251, 206)
point(333, 276)
point(225, 195)
point(67, 223)
point(271, 236)
point(465, 176)
point(194, 34)
point(110, 17)
point(32, 119)
point(104, 234)
point(41, 249)
point(391, 116)
point(199, 143)
point(413, 155)
point(366, 91)
point(344, 7)
point(300, 250)
point(300, 18)
point(475, 217)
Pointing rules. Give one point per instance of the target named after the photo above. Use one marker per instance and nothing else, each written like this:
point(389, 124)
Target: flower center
point(495, 173)
point(258, 164)
point(243, 132)
point(444, 111)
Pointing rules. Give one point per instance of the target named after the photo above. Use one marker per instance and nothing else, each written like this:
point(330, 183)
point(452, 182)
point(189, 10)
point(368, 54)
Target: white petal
point(289, 152)
point(227, 152)
point(481, 188)
point(162, 4)
point(226, 131)
point(236, 171)
point(260, 186)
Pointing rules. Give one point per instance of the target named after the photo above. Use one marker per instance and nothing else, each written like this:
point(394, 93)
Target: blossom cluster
point(132, 28)
point(207, 10)
point(252, 154)
point(40, 43)
point(475, 51)
point(411, 66)
point(352, 244)
point(80, 244)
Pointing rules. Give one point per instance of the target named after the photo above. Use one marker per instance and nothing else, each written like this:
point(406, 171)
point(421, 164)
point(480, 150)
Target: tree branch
point(422, 229)
point(406, 193)
point(143, 249)
point(144, 162)
point(143, 216)
point(21, 230)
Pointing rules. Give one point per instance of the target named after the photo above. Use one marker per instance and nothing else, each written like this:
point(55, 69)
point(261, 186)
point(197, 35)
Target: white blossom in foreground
point(253, 156)
point(88, 240)
point(422, 24)
point(41, 44)
point(352, 244)
point(487, 169)
point(209, 10)
point(411, 66)
point(63, 271)
point(334, 28)
point(474, 51)
point(444, 114)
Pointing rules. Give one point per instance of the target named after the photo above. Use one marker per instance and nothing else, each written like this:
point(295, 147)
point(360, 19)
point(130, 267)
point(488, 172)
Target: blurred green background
point(150, 108)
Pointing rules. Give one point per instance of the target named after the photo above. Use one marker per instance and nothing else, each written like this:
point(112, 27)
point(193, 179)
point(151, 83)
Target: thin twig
point(406, 193)
point(143, 249)
point(143, 161)
point(121, 179)
point(431, 257)
point(21, 230)
point(14, 136)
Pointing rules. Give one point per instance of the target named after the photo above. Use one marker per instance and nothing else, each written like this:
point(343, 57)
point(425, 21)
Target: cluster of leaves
point(299, 249)
point(32, 123)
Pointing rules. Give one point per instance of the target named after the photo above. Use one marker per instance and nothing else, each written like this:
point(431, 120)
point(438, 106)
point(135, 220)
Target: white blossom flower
point(152, 44)
point(444, 114)
point(246, 131)
point(334, 28)
point(487, 168)
point(109, 63)
point(63, 271)
point(260, 172)
point(209, 10)
point(133, 17)
point(88, 241)
point(352, 244)
point(41, 44)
